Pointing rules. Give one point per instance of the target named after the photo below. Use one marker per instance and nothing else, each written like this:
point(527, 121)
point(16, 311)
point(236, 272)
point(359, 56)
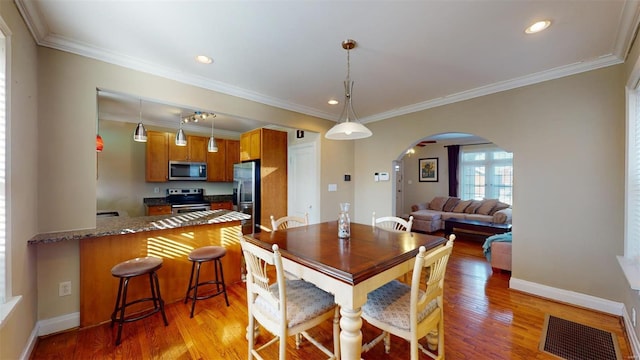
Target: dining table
point(347, 268)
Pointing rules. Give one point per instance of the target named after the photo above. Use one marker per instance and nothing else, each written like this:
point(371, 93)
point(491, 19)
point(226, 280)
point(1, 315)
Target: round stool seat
point(207, 253)
point(136, 267)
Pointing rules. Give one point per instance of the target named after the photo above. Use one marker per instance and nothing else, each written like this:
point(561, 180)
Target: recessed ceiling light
point(204, 59)
point(537, 26)
point(333, 102)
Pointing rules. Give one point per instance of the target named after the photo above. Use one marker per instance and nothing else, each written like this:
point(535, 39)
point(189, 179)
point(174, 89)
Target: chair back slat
point(258, 261)
point(392, 223)
point(286, 222)
point(435, 264)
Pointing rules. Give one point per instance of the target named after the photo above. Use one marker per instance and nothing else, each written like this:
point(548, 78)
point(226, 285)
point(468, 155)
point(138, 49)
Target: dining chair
point(286, 222)
point(393, 223)
point(284, 307)
point(410, 312)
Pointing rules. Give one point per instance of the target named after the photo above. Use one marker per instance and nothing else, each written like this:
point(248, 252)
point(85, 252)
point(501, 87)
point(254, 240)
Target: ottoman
point(501, 255)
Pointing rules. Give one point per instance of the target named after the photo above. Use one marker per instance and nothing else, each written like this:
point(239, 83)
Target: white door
point(398, 181)
point(303, 182)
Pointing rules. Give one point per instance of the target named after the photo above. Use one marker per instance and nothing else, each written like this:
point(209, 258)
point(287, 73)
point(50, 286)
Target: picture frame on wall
point(428, 170)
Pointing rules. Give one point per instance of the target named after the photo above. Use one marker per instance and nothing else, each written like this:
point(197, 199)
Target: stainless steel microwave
point(184, 170)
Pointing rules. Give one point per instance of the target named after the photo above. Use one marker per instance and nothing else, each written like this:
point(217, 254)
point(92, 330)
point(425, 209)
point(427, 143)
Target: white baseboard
point(631, 335)
point(582, 300)
point(49, 326)
point(31, 344)
point(57, 324)
point(569, 297)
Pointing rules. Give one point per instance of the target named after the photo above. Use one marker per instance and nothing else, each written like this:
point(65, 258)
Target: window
point(629, 262)
point(7, 301)
point(486, 172)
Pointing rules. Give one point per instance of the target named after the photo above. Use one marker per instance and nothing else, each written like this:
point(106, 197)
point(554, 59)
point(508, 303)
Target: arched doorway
point(412, 185)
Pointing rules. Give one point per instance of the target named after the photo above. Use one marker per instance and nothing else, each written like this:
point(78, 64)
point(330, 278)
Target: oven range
point(186, 200)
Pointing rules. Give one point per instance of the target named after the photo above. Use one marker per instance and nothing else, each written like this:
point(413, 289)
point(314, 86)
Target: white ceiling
point(411, 55)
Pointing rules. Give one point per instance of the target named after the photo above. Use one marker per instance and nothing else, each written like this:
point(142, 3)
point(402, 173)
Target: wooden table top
point(369, 251)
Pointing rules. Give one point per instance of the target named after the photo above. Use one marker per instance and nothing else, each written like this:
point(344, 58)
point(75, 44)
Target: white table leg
point(350, 334)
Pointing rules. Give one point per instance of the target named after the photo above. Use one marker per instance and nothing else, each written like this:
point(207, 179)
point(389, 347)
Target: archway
point(411, 187)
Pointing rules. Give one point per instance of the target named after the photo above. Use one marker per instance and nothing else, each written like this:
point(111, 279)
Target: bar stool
point(197, 257)
point(128, 270)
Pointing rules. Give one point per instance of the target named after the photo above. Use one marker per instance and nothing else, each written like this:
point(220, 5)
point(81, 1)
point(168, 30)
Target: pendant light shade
point(140, 135)
point(348, 127)
point(181, 138)
point(212, 146)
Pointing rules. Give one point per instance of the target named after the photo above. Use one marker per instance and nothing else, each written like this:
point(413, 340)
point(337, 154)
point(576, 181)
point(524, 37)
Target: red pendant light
point(99, 143)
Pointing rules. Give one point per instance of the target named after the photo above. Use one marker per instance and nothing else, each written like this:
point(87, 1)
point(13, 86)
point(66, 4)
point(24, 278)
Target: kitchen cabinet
point(195, 151)
point(270, 147)
point(220, 164)
point(157, 157)
point(216, 165)
point(158, 209)
point(225, 205)
point(250, 145)
point(232, 157)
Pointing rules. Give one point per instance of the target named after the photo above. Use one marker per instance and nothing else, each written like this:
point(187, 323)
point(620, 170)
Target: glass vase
point(344, 223)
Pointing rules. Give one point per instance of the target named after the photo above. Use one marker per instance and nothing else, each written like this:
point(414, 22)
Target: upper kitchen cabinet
point(195, 151)
point(258, 143)
point(233, 157)
point(220, 164)
point(250, 143)
point(157, 153)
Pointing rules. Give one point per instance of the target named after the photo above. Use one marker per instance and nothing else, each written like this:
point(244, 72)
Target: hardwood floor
point(483, 319)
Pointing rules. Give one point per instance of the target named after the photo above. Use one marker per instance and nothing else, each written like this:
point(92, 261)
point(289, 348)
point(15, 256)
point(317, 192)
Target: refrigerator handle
point(238, 195)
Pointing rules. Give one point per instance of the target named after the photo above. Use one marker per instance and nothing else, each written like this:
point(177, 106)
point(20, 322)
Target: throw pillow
point(461, 206)
point(499, 206)
point(438, 203)
point(450, 204)
point(487, 206)
point(416, 207)
point(473, 206)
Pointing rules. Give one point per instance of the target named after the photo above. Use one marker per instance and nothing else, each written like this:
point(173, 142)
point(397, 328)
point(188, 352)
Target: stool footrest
point(218, 291)
point(145, 313)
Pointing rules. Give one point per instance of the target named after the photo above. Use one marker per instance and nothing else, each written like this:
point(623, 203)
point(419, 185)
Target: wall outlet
point(633, 317)
point(64, 288)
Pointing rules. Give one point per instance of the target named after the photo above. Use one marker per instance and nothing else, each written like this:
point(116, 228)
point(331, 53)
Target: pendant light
point(348, 127)
point(212, 146)
point(140, 135)
point(181, 139)
point(99, 142)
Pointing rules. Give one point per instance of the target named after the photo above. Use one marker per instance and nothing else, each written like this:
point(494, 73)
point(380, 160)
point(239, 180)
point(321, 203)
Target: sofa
point(430, 216)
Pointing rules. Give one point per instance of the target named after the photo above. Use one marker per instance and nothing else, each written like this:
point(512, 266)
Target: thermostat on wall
point(384, 176)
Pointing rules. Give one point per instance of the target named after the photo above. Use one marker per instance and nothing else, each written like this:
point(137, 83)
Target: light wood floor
point(483, 319)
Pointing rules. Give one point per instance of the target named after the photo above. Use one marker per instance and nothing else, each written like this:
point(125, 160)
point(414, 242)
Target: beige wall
point(567, 136)
point(22, 177)
point(416, 192)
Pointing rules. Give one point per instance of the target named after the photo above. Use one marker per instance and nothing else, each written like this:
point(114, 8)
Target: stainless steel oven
point(187, 200)
point(185, 208)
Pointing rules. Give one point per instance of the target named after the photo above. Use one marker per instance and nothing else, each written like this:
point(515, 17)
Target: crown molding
point(498, 87)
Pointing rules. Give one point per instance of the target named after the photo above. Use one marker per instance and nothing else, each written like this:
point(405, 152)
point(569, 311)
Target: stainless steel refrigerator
point(246, 193)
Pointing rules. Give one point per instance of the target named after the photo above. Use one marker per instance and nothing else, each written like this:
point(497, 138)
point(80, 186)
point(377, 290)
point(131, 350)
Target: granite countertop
point(117, 225)
point(155, 201)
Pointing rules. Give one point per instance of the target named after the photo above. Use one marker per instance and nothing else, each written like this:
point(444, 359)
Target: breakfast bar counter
point(169, 237)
